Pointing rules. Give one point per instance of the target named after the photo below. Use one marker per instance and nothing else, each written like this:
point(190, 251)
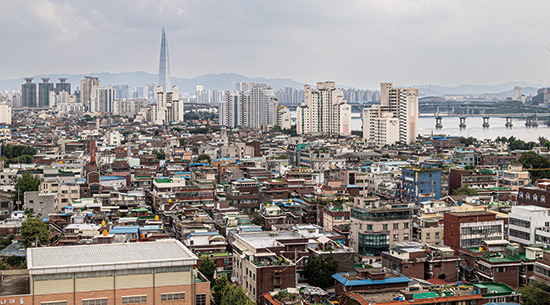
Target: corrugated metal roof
point(92, 255)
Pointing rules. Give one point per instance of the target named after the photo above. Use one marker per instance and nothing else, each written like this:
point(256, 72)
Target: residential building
point(28, 93)
point(464, 157)
point(380, 127)
point(324, 111)
point(373, 230)
point(514, 177)
point(63, 86)
point(476, 179)
point(283, 117)
point(86, 86)
point(102, 99)
point(252, 109)
point(469, 229)
point(421, 183)
point(535, 195)
point(44, 90)
point(525, 221)
point(5, 113)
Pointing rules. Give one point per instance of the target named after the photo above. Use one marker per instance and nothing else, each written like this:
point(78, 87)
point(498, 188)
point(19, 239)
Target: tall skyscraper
point(63, 86)
point(44, 89)
point(324, 111)
point(86, 86)
point(28, 93)
point(164, 65)
point(399, 104)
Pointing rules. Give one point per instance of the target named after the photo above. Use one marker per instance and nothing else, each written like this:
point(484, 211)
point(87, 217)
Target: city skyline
point(440, 43)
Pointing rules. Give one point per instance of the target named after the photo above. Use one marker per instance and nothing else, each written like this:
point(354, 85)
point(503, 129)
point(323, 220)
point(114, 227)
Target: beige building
point(514, 177)
point(283, 117)
point(65, 192)
point(5, 113)
point(395, 103)
point(324, 111)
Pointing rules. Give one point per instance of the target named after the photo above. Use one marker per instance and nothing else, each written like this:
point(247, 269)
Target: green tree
point(26, 183)
point(536, 293)
point(467, 141)
point(204, 157)
point(220, 288)
point(532, 160)
point(465, 190)
point(207, 267)
point(276, 128)
point(160, 154)
point(34, 232)
point(319, 271)
point(235, 295)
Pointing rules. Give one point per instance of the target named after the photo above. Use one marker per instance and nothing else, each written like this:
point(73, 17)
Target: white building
point(168, 107)
point(284, 117)
point(398, 103)
point(526, 222)
point(251, 109)
point(380, 127)
point(5, 113)
point(102, 99)
point(324, 110)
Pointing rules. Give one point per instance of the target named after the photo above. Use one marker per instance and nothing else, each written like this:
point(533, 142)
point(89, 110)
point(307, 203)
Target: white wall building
point(5, 113)
point(524, 221)
point(324, 110)
point(102, 99)
point(251, 109)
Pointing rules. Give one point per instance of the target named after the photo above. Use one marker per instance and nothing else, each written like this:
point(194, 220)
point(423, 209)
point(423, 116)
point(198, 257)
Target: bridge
point(531, 119)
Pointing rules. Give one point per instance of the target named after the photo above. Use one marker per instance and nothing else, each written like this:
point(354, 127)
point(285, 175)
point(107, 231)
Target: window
point(385, 226)
point(54, 303)
point(200, 299)
point(405, 236)
point(369, 227)
point(542, 199)
point(396, 237)
point(405, 225)
point(136, 299)
point(528, 196)
point(172, 296)
point(436, 234)
point(500, 269)
point(101, 301)
point(396, 226)
point(535, 197)
point(428, 235)
point(521, 195)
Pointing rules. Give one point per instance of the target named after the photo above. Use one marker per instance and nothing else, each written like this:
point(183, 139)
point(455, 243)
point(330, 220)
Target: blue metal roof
point(391, 280)
point(111, 178)
point(124, 230)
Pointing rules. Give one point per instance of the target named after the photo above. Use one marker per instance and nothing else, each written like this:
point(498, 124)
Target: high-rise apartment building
point(397, 103)
point(62, 85)
point(28, 93)
point(102, 99)
point(86, 86)
point(324, 111)
point(5, 113)
point(168, 107)
point(253, 109)
point(44, 90)
point(164, 65)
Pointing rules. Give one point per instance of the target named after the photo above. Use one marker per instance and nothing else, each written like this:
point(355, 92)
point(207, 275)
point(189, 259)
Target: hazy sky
point(358, 43)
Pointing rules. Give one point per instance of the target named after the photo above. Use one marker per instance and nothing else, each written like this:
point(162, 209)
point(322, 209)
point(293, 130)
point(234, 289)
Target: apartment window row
point(54, 303)
point(172, 296)
point(520, 234)
point(101, 301)
point(519, 222)
point(136, 299)
point(542, 271)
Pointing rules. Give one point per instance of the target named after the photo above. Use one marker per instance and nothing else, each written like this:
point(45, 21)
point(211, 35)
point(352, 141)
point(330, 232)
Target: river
point(473, 127)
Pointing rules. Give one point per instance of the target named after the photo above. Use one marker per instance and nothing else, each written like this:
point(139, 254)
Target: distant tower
point(44, 89)
point(164, 65)
point(28, 93)
point(63, 86)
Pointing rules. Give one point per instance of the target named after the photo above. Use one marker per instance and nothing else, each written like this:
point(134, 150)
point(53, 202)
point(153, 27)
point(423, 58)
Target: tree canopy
point(13, 154)
point(536, 293)
point(34, 233)
point(465, 190)
point(207, 267)
point(532, 160)
point(26, 183)
point(319, 271)
point(227, 294)
point(204, 157)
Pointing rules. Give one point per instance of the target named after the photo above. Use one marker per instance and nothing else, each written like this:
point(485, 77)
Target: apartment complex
point(324, 111)
point(253, 108)
point(470, 229)
point(397, 105)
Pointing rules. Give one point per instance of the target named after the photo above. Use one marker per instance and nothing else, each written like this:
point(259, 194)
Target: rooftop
point(107, 256)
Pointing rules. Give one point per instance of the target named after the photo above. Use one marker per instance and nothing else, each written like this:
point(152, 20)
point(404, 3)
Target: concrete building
point(514, 177)
point(380, 127)
point(524, 221)
point(403, 104)
point(5, 113)
point(41, 203)
point(283, 117)
point(476, 179)
point(125, 273)
point(62, 86)
point(373, 230)
point(324, 111)
point(102, 99)
point(251, 109)
point(470, 229)
point(86, 86)
point(28, 93)
point(44, 90)
point(421, 183)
